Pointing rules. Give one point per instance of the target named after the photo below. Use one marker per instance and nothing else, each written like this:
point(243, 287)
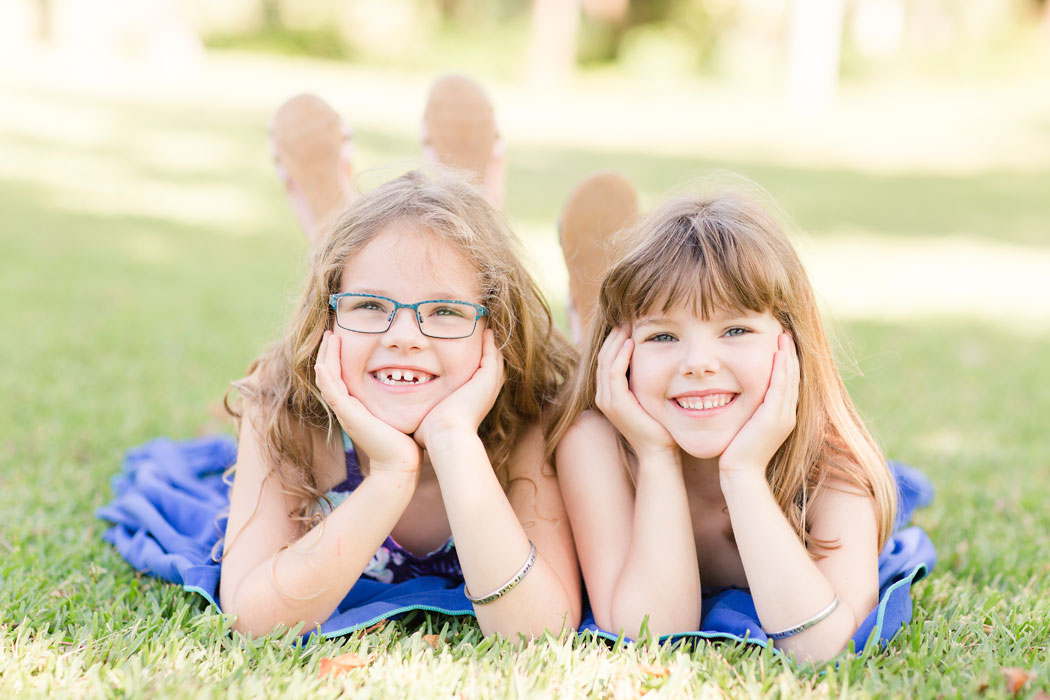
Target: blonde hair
point(286, 403)
point(726, 251)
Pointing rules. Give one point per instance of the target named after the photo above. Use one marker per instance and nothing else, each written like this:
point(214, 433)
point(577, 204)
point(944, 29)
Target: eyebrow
point(652, 321)
point(719, 316)
point(444, 294)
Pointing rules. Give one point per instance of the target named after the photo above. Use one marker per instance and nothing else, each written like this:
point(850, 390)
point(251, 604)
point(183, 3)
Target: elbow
point(817, 645)
point(530, 618)
point(260, 625)
point(534, 623)
point(638, 622)
point(250, 616)
point(244, 618)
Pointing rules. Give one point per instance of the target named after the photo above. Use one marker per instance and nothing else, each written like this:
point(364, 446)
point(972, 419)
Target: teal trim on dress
point(392, 613)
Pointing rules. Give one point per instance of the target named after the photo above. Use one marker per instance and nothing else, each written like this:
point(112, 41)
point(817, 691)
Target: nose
point(404, 331)
point(701, 358)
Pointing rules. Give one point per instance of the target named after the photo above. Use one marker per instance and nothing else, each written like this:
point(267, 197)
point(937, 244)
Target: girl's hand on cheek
point(773, 420)
point(616, 400)
point(388, 448)
point(464, 409)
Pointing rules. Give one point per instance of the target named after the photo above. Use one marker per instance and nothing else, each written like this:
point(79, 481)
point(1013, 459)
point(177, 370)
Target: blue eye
point(660, 338)
point(736, 331)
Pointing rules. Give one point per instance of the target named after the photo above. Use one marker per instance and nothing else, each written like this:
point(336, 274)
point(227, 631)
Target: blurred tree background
point(718, 38)
point(546, 40)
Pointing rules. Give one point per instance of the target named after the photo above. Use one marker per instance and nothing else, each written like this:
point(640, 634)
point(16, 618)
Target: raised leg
point(600, 206)
point(459, 130)
point(313, 149)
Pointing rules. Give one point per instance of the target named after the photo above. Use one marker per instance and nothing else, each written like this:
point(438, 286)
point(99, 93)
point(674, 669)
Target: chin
point(702, 449)
point(405, 421)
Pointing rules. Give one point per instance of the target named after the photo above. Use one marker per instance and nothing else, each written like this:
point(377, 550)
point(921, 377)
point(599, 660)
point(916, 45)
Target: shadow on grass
point(995, 205)
point(999, 205)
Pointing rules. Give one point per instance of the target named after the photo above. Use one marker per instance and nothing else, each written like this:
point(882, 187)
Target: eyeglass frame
point(333, 301)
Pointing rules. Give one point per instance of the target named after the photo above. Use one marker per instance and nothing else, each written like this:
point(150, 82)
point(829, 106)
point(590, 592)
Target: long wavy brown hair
point(286, 405)
point(726, 251)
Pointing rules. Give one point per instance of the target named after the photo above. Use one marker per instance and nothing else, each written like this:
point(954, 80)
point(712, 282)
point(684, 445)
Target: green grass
point(131, 297)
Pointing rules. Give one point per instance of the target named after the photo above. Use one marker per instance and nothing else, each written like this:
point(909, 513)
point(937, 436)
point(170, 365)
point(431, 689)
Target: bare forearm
point(661, 577)
point(785, 583)
point(492, 545)
point(302, 584)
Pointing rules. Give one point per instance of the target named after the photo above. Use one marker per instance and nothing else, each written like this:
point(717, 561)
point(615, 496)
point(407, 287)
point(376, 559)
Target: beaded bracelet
point(792, 631)
point(514, 581)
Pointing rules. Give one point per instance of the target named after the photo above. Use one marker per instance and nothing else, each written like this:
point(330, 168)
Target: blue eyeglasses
point(437, 318)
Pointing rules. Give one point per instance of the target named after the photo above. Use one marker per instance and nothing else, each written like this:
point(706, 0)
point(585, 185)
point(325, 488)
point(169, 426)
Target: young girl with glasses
point(715, 472)
point(389, 454)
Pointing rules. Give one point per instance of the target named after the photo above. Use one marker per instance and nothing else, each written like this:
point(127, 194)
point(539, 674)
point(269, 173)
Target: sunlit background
point(158, 108)
point(148, 252)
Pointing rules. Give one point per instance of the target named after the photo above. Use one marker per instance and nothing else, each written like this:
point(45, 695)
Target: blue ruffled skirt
point(169, 514)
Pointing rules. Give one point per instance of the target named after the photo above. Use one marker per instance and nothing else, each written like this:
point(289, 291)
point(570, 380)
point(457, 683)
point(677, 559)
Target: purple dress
point(168, 516)
point(393, 563)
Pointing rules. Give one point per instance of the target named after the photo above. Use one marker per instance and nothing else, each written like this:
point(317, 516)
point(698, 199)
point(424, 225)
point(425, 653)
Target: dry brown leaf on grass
point(342, 664)
point(1016, 678)
point(376, 627)
point(654, 669)
point(432, 639)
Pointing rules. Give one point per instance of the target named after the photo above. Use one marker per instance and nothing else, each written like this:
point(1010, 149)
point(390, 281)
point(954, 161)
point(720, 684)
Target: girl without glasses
point(708, 452)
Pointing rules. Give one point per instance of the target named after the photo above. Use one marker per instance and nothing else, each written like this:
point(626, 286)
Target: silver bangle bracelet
point(505, 588)
point(792, 631)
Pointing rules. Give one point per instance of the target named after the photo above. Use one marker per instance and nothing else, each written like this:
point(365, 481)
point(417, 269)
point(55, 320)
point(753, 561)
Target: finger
point(492, 363)
point(794, 374)
point(618, 392)
point(329, 373)
point(779, 395)
point(777, 380)
point(332, 351)
point(497, 355)
point(611, 347)
point(601, 371)
point(321, 374)
point(618, 367)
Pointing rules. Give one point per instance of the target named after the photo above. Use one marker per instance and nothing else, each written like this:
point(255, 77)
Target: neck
point(701, 476)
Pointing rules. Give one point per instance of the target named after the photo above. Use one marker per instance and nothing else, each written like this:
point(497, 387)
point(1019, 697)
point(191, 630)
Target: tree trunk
point(813, 54)
point(552, 45)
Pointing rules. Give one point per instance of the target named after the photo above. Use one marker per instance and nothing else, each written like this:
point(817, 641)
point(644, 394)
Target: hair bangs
point(699, 263)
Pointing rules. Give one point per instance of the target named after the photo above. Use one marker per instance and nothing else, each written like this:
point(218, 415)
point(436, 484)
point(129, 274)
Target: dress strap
point(353, 469)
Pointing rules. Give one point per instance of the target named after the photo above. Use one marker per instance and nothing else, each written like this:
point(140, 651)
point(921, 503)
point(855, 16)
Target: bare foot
point(313, 149)
point(459, 130)
point(600, 206)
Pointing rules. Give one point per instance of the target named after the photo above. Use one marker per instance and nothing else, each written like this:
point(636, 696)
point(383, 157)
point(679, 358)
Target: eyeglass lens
point(437, 319)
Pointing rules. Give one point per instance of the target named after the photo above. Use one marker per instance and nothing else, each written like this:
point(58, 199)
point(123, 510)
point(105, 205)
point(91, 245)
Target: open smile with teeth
point(703, 403)
point(402, 377)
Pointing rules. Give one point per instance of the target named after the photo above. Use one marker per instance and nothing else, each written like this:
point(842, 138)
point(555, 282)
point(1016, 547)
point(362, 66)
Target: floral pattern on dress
point(392, 563)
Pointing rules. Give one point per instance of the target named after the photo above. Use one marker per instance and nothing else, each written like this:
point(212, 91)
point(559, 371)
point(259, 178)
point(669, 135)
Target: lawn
point(148, 254)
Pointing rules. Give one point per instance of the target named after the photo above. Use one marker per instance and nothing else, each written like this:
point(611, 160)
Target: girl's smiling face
point(401, 374)
point(702, 380)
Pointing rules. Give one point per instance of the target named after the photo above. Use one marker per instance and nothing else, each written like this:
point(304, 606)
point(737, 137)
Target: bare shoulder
point(844, 513)
point(526, 460)
point(837, 494)
point(590, 443)
point(592, 423)
point(327, 464)
point(536, 498)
